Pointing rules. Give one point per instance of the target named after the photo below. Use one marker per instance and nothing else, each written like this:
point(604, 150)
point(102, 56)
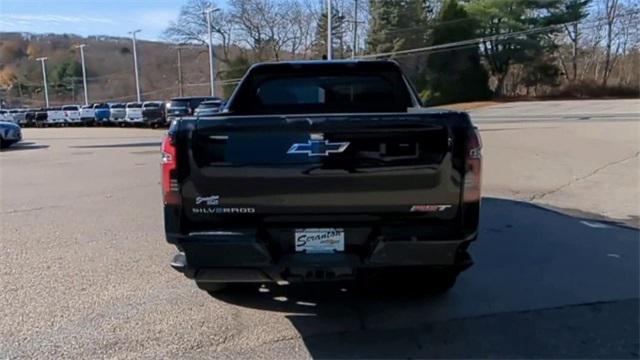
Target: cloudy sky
point(89, 17)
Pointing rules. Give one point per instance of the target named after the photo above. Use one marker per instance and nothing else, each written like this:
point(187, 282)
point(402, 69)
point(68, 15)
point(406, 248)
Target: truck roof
point(368, 64)
point(344, 86)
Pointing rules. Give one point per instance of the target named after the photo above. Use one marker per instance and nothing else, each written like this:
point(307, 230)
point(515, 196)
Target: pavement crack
point(580, 178)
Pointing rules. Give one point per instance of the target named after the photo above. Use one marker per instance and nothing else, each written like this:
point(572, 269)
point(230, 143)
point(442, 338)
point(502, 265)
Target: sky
point(89, 17)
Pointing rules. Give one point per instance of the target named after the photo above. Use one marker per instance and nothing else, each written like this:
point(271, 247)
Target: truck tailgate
point(323, 164)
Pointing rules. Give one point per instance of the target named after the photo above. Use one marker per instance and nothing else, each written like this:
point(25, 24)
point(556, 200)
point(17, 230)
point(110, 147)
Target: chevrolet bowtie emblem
point(318, 148)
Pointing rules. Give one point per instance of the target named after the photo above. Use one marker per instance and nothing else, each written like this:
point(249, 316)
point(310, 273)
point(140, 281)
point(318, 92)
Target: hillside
point(109, 62)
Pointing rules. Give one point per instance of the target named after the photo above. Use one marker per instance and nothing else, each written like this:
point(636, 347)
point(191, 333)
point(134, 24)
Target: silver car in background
point(117, 113)
point(10, 134)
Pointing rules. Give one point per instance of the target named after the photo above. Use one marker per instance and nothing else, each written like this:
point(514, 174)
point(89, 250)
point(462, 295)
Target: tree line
point(472, 49)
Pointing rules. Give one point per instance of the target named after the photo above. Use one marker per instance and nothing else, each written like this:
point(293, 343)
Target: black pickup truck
point(322, 170)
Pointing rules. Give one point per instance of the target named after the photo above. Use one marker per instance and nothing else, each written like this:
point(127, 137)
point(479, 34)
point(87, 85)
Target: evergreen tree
point(397, 25)
point(65, 75)
point(455, 75)
point(500, 17)
point(338, 28)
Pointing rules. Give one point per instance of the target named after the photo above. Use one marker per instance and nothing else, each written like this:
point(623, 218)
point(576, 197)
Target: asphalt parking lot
point(85, 269)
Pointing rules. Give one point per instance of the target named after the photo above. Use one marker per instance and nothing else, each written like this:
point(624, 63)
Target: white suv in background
point(133, 113)
point(88, 115)
point(55, 117)
point(72, 114)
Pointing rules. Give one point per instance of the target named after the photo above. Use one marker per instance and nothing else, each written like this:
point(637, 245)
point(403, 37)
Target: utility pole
point(355, 30)
point(84, 72)
point(135, 61)
point(44, 80)
point(329, 32)
point(180, 88)
point(212, 69)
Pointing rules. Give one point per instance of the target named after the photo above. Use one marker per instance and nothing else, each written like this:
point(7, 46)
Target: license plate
point(319, 240)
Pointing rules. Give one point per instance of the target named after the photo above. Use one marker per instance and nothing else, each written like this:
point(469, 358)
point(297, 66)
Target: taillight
point(170, 188)
point(473, 167)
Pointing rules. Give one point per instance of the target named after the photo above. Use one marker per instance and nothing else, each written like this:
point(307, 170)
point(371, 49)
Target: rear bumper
point(237, 257)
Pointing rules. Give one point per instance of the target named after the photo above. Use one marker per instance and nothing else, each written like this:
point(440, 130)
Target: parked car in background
point(117, 113)
point(29, 118)
point(184, 106)
point(210, 107)
point(41, 118)
point(20, 117)
point(101, 113)
point(55, 117)
point(16, 115)
point(87, 115)
point(133, 113)
point(10, 134)
point(153, 113)
point(3, 115)
point(72, 114)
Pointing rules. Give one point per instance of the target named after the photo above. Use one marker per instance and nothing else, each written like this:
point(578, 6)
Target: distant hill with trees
point(467, 49)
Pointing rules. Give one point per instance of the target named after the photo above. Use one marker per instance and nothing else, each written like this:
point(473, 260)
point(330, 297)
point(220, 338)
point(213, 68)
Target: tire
point(3, 144)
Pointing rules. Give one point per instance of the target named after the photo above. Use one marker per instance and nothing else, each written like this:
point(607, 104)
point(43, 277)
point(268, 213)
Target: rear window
point(151, 106)
point(117, 106)
point(134, 106)
point(323, 89)
point(70, 108)
point(326, 91)
point(100, 106)
point(179, 103)
point(209, 105)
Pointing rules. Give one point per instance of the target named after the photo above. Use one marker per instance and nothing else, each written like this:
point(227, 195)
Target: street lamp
point(84, 72)
point(44, 80)
point(212, 71)
point(329, 32)
point(135, 61)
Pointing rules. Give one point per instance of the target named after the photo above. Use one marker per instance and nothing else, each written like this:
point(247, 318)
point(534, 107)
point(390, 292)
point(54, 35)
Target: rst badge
point(429, 208)
point(318, 148)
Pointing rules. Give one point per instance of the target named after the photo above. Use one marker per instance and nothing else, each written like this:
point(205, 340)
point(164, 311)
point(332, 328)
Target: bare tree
point(191, 26)
point(611, 9)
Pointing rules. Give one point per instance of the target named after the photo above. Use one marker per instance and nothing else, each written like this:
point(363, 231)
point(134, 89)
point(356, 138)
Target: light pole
point(212, 70)
point(135, 61)
point(329, 32)
point(180, 90)
point(44, 80)
point(84, 73)
point(355, 29)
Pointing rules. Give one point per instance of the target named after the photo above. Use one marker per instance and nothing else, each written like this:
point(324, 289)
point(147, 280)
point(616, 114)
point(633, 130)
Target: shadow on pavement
point(126, 145)
point(544, 285)
point(25, 146)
